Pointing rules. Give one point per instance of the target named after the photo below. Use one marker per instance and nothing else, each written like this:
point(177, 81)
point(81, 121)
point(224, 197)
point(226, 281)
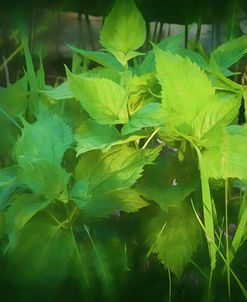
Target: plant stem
point(170, 286)
point(10, 118)
point(150, 138)
point(186, 36)
point(10, 57)
point(96, 253)
point(241, 286)
point(227, 239)
point(89, 27)
point(198, 33)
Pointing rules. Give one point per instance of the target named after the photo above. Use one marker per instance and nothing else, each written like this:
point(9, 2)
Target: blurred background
point(50, 24)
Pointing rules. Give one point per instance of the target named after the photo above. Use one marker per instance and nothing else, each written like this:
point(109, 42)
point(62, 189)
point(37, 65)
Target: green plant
point(154, 130)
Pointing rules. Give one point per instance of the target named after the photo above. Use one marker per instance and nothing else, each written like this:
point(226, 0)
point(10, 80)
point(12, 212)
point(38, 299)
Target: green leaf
point(44, 252)
point(193, 56)
point(230, 52)
point(47, 139)
point(180, 100)
point(92, 136)
point(110, 173)
point(22, 208)
point(8, 184)
point(79, 193)
point(178, 239)
point(124, 28)
point(100, 57)
point(39, 153)
point(168, 181)
point(117, 169)
point(44, 178)
point(215, 115)
point(227, 157)
point(61, 92)
point(103, 204)
point(150, 115)
point(13, 99)
point(171, 43)
point(178, 88)
point(104, 100)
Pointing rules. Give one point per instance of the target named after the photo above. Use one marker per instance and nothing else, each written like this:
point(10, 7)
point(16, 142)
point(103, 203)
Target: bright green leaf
point(99, 57)
point(227, 157)
point(124, 28)
point(92, 136)
point(151, 115)
point(178, 239)
point(230, 52)
point(103, 99)
point(48, 138)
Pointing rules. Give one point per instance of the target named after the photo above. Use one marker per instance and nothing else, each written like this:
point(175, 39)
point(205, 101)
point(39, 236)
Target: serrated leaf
point(99, 57)
point(92, 136)
point(171, 43)
point(117, 33)
point(104, 100)
point(178, 239)
point(150, 115)
point(61, 92)
point(48, 138)
point(180, 100)
point(218, 114)
point(127, 200)
point(104, 73)
point(167, 182)
point(178, 89)
point(227, 157)
point(44, 178)
point(13, 99)
point(44, 252)
point(110, 173)
point(22, 208)
point(117, 169)
point(230, 52)
point(79, 193)
point(193, 56)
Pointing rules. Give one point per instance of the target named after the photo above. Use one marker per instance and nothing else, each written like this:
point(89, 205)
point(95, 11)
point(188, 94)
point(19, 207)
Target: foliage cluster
point(155, 134)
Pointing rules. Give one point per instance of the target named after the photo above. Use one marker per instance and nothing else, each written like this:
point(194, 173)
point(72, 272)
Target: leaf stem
point(150, 138)
point(96, 253)
point(10, 119)
point(227, 239)
point(170, 286)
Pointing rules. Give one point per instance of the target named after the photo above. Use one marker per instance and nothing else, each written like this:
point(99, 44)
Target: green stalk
point(170, 285)
point(89, 28)
point(10, 119)
point(241, 229)
point(208, 215)
point(11, 57)
point(227, 239)
point(186, 36)
point(79, 258)
point(232, 33)
point(198, 33)
point(241, 286)
point(97, 254)
point(155, 30)
point(150, 138)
